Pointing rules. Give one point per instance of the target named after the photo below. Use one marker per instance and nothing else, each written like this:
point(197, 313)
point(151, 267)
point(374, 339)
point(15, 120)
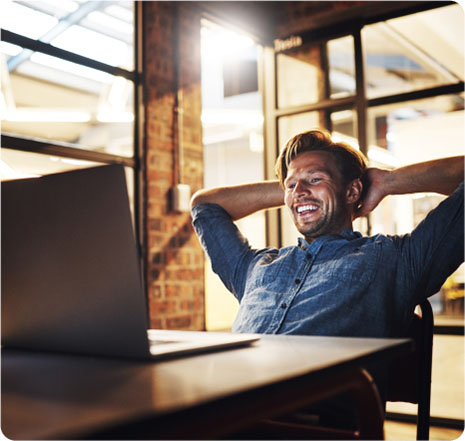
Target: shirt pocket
point(265, 272)
point(357, 266)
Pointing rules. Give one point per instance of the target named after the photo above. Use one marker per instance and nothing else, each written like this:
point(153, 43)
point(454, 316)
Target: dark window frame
point(358, 102)
point(68, 150)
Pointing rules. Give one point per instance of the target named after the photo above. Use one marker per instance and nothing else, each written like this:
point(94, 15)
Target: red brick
point(179, 322)
point(174, 277)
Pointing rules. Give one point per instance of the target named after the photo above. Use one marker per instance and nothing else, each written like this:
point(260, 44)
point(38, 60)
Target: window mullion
point(361, 100)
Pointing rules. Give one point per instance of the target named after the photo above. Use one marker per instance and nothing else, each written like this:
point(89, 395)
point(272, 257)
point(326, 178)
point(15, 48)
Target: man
point(334, 282)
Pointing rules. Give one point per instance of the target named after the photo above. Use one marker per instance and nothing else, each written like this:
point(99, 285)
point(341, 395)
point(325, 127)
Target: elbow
point(198, 198)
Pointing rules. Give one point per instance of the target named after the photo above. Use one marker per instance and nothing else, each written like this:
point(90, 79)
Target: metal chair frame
point(418, 365)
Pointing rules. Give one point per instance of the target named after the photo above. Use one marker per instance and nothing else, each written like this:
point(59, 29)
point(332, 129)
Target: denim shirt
point(340, 285)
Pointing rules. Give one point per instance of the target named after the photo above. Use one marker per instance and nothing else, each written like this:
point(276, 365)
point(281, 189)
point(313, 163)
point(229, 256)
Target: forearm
point(438, 176)
point(242, 200)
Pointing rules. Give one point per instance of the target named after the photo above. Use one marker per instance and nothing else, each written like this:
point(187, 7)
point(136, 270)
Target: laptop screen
point(70, 266)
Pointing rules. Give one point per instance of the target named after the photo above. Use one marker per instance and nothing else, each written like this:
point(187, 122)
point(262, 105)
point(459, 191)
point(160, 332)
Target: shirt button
point(283, 305)
point(297, 281)
point(308, 256)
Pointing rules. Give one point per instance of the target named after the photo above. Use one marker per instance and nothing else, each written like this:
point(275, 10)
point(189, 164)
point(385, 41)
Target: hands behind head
point(373, 191)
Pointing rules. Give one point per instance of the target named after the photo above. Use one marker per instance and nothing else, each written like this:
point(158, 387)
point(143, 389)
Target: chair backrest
point(409, 377)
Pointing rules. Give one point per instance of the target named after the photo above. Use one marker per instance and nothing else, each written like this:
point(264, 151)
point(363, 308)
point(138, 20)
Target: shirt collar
point(345, 234)
point(351, 235)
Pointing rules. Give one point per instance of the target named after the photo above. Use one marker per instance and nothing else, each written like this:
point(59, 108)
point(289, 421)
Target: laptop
point(70, 272)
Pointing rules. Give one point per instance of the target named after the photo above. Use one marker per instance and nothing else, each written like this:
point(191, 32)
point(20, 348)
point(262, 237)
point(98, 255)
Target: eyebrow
point(314, 171)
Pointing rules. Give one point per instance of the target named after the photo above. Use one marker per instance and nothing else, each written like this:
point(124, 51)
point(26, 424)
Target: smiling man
point(334, 281)
point(314, 194)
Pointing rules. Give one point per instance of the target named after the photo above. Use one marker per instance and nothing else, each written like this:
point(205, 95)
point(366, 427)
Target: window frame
point(358, 102)
point(68, 150)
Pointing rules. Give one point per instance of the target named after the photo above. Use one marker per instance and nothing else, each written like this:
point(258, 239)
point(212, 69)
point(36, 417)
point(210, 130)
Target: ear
point(354, 191)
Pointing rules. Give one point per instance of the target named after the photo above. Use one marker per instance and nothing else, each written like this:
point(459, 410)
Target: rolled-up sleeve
point(226, 247)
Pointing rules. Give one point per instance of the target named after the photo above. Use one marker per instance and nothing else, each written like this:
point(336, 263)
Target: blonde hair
point(350, 162)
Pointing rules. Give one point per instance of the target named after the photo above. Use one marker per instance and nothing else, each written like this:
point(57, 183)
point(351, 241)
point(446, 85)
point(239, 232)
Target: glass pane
point(344, 125)
point(21, 19)
point(341, 59)
point(440, 32)
point(396, 62)
point(232, 123)
point(16, 164)
point(103, 31)
point(289, 126)
point(412, 131)
point(300, 78)
point(416, 131)
point(49, 98)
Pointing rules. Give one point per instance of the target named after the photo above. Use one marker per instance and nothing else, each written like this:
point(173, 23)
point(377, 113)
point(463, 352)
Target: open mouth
point(306, 209)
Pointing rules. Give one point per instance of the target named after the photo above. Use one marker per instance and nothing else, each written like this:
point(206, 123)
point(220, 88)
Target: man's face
point(315, 195)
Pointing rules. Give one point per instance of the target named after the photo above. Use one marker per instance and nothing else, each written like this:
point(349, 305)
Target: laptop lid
point(70, 267)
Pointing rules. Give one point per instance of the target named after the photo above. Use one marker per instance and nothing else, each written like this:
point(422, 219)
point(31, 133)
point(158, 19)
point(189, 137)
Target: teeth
point(306, 208)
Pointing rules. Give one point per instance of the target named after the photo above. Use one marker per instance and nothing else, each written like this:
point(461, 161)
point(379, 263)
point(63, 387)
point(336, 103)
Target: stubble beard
point(327, 223)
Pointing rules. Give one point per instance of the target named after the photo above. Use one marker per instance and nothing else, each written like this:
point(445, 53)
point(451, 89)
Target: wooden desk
point(46, 396)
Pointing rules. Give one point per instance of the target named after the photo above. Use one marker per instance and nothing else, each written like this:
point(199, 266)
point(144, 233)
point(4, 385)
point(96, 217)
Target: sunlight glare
point(224, 43)
point(25, 21)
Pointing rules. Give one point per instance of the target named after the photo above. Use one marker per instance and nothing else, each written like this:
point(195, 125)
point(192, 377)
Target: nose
point(301, 189)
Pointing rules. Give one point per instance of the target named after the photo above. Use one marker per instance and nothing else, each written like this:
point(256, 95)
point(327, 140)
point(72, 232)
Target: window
point(394, 88)
point(300, 77)
point(341, 66)
point(409, 132)
point(414, 52)
point(67, 86)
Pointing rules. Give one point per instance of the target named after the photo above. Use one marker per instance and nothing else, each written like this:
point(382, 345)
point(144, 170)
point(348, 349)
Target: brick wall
point(175, 273)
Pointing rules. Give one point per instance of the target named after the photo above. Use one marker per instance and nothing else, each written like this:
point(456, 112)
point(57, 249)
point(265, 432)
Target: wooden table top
point(60, 396)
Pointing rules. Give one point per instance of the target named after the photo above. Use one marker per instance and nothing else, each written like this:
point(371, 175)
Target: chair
point(409, 380)
point(410, 377)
